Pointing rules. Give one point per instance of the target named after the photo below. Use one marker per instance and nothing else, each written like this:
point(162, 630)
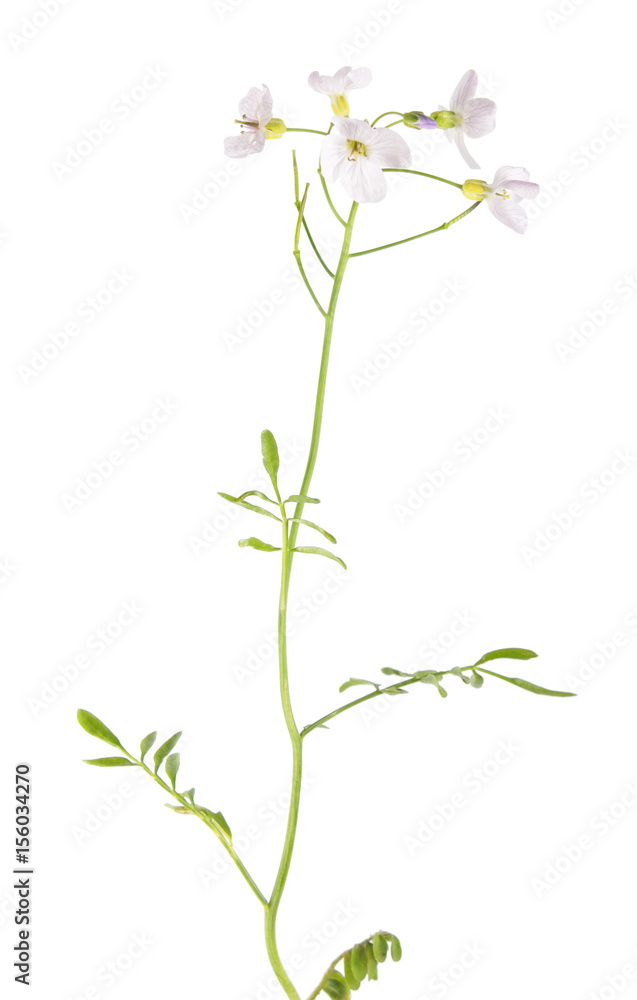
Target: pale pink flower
point(355, 154)
point(337, 86)
point(510, 186)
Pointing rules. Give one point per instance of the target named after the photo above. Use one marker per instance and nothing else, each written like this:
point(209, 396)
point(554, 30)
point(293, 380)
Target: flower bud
point(445, 119)
point(275, 128)
point(418, 119)
point(474, 190)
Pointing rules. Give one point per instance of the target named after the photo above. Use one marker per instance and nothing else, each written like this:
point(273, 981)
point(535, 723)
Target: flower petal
point(464, 91)
point(505, 174)
point(523, 189)
point(334, 151)
point(359, 78)
point(509, 212)
point(456, 135)
point(387, 149)
point(244, 144)
point(321, 84)
point(352, 128)
point(479, 117)
point(255, 103)
point(363, 180)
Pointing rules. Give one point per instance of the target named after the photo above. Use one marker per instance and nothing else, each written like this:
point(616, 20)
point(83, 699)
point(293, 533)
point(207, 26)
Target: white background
point(111, 862)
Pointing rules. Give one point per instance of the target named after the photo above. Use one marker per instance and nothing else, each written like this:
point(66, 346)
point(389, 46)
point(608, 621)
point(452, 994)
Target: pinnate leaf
point(112, 762)
point(147, 743)
point(507, 654)
point(95, 727)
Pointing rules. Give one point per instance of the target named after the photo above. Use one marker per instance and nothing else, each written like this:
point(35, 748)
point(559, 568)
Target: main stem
point(289, 536)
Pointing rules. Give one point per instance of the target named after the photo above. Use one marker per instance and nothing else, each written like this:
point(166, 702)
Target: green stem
point(421, 173)
point(329, 200)
point(314, 130)
point(384, 115)
point(297, 253)
point(445, 225)
point(289, 535)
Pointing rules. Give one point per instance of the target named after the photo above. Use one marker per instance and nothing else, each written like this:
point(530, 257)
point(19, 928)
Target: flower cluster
point(357, 153)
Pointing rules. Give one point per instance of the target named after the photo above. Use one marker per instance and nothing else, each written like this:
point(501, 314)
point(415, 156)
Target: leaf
point(390, 671)
point(164, 750)
point(359, 961)
point(190, 794)
point(394, 689)
point(380, 946)
point(147, 743)
point(396, 949)
point(350, 978)
point(218, 818)
point(172, 766)
point(372, 964)
point(336, 987)
point(430, 678)
point(180, 809)
point(249, 506)
point(356, 680)
point(507, 654)
point(476, 680)
point(256, 543)
point(299, 498)
point(112, 762)
point(458, 673)
point(94, 727)
point(319, 552)
point(310, 524)
point(257, 493)
point(527, 686)
point(270, 454)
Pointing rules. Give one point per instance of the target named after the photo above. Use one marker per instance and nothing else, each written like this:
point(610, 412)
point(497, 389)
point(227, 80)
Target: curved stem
point(329, 200)
point(297, 253)
point(421, 173)
point(289, 535)
point(445, 225)
point(314, 130)
point(384, 115)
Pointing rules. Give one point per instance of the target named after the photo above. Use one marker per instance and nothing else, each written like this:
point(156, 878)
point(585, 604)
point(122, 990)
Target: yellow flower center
point(356, 149)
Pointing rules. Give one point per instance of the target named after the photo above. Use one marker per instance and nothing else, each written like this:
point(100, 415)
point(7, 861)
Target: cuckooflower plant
point(358, 153)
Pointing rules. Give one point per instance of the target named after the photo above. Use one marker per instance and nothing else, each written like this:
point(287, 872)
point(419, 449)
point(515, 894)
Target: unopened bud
point(275, 128)
point(418, 119)
point(445, 119)
point(474, 190)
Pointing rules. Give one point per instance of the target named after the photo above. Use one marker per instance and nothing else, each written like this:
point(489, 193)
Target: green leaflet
point(507, 654)
point(476, 680)
point(372, 964)
point(164, 750)
point(147, 743)
point(270, 454)
point(457, 671)
point(390, 671)
point(356, 680)
point(430, 678)
point(527, 686)
point(299, 498)
point(396, 949)
point(336, 987)
point(310, 524)
point(172, 766)
point(350, 978)
point(180, 809)
point(380, 947)
point(256, 543)
point(94, 727)
point(249, 506)
point(318, 552)
point(190, 794)
point(257, 493)
point(112, 762)
point(218, 818)
point(359, 961)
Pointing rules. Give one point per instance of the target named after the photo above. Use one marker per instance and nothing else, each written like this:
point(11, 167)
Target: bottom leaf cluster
point(361, 962)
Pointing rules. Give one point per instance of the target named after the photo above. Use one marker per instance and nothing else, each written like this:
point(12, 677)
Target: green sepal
point(507, 654)
point(147, 743)
point(256, 543)
point(249, 506)
point(310, 524)
point(270, 454)
point(172, 766)
point(164, 750)
point(353, 681)
point(319, 552)
point(95, 727)
point(112, 762)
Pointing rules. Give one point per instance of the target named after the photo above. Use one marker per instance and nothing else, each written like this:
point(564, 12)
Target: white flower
point(336, 86)
point(257, 124)
point(355, 153)
point(466, 115)
point(510, 186)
